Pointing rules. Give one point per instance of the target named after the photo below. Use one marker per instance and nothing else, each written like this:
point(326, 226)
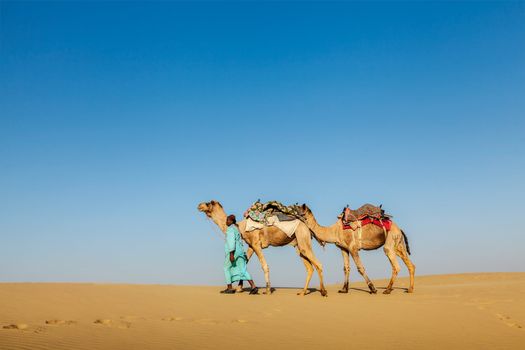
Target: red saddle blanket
point(385, 223)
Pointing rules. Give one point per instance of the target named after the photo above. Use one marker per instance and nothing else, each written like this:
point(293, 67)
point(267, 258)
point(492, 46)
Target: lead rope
point(215, 229)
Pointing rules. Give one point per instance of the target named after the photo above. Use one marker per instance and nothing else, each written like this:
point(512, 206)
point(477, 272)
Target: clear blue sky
point(117, 119)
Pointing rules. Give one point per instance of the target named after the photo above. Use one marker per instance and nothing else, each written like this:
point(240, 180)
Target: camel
point(258, 240)
point(369, 237)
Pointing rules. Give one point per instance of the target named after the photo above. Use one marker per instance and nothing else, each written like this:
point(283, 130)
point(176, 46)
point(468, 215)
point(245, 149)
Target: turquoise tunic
point(235, 271)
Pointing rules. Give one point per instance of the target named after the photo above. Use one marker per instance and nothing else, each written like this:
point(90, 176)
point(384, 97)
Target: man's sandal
point(228, 291)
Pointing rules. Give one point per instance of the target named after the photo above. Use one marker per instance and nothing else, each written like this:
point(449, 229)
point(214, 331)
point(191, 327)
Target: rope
point(215, 228)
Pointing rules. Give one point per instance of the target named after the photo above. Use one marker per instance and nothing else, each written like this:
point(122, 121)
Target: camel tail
point(406, 242)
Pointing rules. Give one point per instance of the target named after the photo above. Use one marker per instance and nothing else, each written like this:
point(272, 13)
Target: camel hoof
point(324, 293)
point(342, 291)
point(387, 291)
point(410, 290)
point(301, 293)
point(374, 291)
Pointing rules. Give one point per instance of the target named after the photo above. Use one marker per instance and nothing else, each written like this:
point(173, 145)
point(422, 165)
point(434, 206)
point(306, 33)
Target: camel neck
point(219, 218)
point(324, 233)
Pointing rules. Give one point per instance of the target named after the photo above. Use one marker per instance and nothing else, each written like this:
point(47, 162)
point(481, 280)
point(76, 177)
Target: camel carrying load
point(267, 236)
point(273, 213)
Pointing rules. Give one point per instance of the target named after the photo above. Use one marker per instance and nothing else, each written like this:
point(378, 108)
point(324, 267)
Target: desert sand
point(467, 311)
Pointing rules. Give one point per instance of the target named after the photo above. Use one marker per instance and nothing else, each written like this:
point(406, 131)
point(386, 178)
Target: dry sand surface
point(468, 311)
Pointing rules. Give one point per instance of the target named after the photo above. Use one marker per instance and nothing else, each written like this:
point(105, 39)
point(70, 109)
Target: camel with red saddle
point(364, 233)
point(260, 239)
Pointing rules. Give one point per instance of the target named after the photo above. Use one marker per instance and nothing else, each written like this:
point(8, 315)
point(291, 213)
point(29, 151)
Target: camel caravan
point(273, 224)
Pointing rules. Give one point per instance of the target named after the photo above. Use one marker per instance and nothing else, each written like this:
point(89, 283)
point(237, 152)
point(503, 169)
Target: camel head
point(305, 210)
point(209, 207)
point(306, 213)
point(215, 212)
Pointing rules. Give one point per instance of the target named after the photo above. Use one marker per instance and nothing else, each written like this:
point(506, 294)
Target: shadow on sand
point(314, 290)
point(394, 288)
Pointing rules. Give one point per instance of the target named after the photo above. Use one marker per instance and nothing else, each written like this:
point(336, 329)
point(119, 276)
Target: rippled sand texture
point(470, 311)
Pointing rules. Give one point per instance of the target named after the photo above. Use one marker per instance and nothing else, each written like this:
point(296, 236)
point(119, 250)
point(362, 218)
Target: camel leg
point(403, 254)
point(266, 269)
point(362, 271)
point(249, 253)
point(309, 272)
point(390, 252)
point(305, 247)
point(346, 268)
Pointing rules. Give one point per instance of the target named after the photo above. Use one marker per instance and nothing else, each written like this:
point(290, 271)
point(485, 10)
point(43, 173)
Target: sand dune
point(469, 311)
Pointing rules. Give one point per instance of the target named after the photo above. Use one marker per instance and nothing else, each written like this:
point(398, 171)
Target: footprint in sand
point(40, 329)
point(110, 323)
point(170, 319)
point(61, 322)
point(508, 321)
point(105, 322)
point(124, 325)
point(16, 326)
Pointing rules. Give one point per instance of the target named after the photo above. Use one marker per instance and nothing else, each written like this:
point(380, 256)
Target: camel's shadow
point(378, 288)
point(275, 289)
point(315, 290)
point(367, 291)
point(395, 288)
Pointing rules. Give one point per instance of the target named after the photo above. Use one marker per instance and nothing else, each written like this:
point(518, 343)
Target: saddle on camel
point(273, 213)
point(365, 215)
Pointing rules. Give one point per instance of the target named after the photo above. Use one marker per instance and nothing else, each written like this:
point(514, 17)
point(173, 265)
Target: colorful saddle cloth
point(366, 214)
point(385, 223)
